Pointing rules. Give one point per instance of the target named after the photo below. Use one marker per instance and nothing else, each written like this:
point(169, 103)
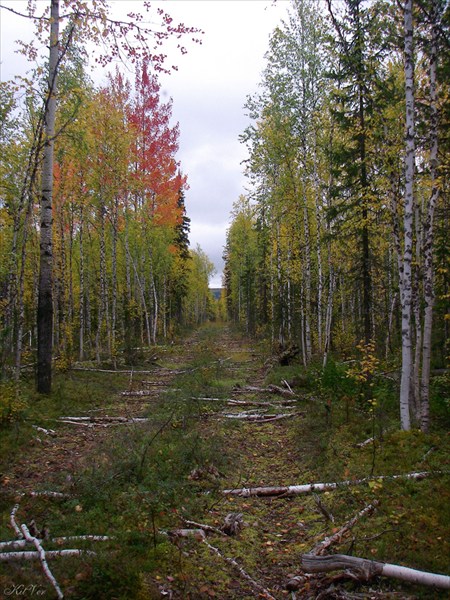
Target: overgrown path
point(146, 455)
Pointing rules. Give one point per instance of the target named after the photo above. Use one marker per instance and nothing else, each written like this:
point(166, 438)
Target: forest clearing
point(155, 480)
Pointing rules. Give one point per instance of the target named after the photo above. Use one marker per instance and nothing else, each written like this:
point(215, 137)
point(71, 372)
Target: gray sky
point(208, 92)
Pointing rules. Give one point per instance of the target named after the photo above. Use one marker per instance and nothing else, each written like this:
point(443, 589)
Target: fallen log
point(137, 393)
point(22, 543)
point(104, 419)
point(336, 537)
point(294, 490)
point(50, 555)
point(366, 569)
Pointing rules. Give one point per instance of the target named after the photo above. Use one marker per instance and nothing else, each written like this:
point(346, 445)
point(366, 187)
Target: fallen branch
point(196, 533)
point(270, 389)
point(366, 569)
point(101, 421)
point(12, 520)
point(50, 432)
point(137, 393)
point(365, 443)
point(208, 528)
point(259, 418)
point(294, 490)
point(50, 555)
point(119, 372)
point(336, 537)
point(323, 509)
point(41, 552)
point(233, 402)
point(259, 588)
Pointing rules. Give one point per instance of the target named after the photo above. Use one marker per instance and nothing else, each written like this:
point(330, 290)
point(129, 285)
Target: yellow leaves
point(362, 370)
point(375, 485)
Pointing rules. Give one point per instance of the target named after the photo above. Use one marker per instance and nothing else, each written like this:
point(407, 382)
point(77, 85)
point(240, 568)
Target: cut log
point(366, 569)
point(294, 490)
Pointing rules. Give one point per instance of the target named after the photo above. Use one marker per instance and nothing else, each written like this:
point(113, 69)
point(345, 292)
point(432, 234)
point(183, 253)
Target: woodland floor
point(137, 482)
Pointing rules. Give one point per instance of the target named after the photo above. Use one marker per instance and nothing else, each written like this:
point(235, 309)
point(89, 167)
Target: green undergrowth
point(140, 481)
point(410, 525)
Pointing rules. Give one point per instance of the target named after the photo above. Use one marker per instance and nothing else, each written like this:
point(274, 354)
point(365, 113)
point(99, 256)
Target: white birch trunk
point(45, 300)
point(406, 279)
point(307, 283)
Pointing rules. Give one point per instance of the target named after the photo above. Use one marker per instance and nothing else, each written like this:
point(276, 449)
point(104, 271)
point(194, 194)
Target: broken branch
point(243, 573)
point(328, 541)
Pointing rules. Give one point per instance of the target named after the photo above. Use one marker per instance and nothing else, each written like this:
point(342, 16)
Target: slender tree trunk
point(319, 269)
point(307, 282)
point(45, 300)
point(114, 276)
point(428, 234)
point(406, 275)
point(82, 288)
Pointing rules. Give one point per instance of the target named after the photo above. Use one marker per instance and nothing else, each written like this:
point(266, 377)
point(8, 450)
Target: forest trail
point(194, 395)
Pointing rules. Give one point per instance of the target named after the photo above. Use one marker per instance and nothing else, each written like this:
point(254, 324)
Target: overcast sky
point(208, 91)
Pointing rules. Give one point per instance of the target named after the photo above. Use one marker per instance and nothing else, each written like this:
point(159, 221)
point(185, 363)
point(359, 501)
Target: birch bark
point(406, 275)
point(45, 298)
